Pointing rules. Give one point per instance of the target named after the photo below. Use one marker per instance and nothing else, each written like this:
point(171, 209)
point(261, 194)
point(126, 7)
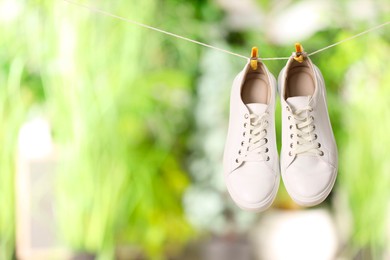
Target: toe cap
point(309, 177)
point(252, 183)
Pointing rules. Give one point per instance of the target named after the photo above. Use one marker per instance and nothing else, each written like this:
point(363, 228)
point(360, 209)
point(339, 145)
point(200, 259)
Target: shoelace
point(255, 140)
point(303, 135)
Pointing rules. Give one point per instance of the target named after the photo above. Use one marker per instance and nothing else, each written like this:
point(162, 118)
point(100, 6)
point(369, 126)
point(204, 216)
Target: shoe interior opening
point(256, 88)
point(300, 80)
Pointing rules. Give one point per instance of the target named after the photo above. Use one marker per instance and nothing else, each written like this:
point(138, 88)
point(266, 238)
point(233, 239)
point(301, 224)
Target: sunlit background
point(112, 135)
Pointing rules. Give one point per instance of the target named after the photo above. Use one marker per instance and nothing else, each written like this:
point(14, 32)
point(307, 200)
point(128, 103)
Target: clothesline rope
point(105, 13)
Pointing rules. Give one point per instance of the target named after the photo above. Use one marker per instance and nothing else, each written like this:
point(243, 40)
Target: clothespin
point(254, 58)
point(298, 52)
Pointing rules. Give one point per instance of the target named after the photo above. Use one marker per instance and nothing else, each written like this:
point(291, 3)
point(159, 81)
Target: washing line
point(105, 13)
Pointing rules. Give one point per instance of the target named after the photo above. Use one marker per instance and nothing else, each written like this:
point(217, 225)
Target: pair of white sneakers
point(308, 159)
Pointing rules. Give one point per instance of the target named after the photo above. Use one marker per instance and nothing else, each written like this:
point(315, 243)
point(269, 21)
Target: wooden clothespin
point(298, 52)
point(254, 58)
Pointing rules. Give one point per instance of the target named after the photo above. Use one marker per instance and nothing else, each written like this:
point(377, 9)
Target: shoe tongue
point(298, 102)
point(256, 108)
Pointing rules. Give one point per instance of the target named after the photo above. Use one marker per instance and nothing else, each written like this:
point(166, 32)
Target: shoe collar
point(310, 64)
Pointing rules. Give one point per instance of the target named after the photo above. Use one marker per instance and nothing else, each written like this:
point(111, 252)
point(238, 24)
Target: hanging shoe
point(309, 154)
point(251, 165)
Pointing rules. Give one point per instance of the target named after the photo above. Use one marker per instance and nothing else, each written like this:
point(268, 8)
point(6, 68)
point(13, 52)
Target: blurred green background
point(138, 121)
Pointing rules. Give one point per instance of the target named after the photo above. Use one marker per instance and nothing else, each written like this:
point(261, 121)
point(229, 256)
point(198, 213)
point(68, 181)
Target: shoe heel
point(279, 81)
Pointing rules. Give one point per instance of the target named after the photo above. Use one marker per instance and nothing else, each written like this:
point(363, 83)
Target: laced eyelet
point(265, 140)
point(265, 131)
point(321, 153)
point(291, 145)
point(318, 145)
point(289, 117)
point(312, 118)
point(267, 158)
point(266, 150)
point(289, 153)
point(242, 143)
point(288, 109)
point(311, 110)
point(266, 121)
point(243, 134)
point(314, 127)
point(291, 126)
point(246, 116)
point(237, 161)
point(291, 136)
point(239, 152)
point(245, 124)
point(315, 136)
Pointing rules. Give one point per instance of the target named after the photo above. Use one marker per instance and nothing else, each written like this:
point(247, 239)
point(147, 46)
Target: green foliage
point(364, 147)
point(118, 101)
point(122, 132)
point(12, 111)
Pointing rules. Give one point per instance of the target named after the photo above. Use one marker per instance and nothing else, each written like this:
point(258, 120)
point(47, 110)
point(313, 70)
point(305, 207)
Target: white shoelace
point(303, 135)
point(254, 140)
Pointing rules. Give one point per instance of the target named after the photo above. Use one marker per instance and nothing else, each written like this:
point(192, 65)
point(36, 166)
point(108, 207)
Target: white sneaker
point(251, 165)
point(309, 154)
